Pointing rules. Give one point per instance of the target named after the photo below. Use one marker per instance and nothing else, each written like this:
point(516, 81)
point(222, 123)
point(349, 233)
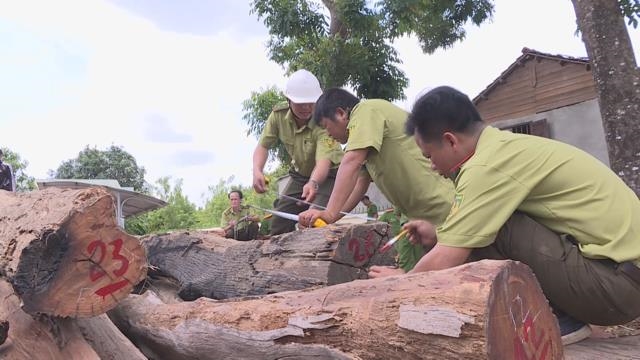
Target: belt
point(630, 269)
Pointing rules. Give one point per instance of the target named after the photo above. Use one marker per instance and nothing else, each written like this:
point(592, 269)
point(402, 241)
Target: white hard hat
point(303, 87)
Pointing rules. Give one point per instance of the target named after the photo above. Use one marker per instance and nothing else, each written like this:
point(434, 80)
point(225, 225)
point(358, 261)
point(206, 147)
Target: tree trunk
point(617, 79)
point(42, 338)
point(64, 254)
point(208, 265)
point(487, 309)
point(107, 341)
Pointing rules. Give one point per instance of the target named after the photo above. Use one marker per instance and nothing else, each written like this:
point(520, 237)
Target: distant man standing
point(314, 154)
point(238, 220)
point(372, 209)
point(7, 178)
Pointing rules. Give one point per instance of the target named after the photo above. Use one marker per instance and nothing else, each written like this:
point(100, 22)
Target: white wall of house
point(579, 125)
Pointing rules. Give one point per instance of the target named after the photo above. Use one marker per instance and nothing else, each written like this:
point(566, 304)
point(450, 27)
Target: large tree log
point(107, 341)
point(208, 265)
point(63, 252)
point(487, 309)
point(42, 338)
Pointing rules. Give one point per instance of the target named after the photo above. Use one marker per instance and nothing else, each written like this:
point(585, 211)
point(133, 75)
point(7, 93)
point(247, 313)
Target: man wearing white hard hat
point(315, 156)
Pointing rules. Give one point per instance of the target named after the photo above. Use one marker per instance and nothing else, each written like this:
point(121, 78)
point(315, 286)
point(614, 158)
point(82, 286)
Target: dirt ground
point(628, 329)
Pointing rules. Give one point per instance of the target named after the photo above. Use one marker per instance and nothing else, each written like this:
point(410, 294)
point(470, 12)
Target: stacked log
point(488, 309)
point(208, 265)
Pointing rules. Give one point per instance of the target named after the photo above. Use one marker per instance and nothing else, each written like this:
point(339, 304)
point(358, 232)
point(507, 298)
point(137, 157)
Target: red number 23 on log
point(99, 248)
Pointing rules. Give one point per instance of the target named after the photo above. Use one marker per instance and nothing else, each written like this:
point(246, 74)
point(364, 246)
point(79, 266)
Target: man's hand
point(259, 183)
point(384, 271)
point(307, 218)
point(421, 232)
point(309, 190)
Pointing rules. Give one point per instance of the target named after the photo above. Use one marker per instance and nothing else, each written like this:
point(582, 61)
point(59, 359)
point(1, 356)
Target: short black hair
point(234, 191)
point(441, 110)
point(332, 99)
point(365, 197)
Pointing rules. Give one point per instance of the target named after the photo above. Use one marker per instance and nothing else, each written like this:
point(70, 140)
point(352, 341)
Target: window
point(537, 128)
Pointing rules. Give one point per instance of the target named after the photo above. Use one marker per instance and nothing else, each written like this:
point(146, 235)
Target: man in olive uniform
point(314, 154)
point(373, 131)
point(7, 177)
point(372, 209)
point(552, 206)
point(238, 220)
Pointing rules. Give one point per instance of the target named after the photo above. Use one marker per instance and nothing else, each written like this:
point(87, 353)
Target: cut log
point(211, 266)
point(43, 338)
point(107, 341)
point(63, 252)
point(487, 309)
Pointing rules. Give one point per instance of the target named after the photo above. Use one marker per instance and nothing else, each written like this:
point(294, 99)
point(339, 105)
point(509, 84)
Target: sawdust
point(629, 329)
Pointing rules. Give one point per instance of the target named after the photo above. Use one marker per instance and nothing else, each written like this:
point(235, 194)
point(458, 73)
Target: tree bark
point(64, 254)
point(487, 309)
point(211, 266)
point(617, 79)
point(41, 338)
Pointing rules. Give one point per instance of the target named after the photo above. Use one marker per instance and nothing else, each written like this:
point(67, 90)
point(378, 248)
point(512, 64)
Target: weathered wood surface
point(63, 252)
point(211, 266)
point(42, 338)
point(627, 348)
point(107, 340)
point(488, 309)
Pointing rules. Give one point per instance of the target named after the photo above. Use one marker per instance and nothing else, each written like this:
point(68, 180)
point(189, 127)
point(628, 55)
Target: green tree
point(24, 182)
point(353, 45)
point(179, 213)
point(616, 76)
point(113, 163)
point(256, 111)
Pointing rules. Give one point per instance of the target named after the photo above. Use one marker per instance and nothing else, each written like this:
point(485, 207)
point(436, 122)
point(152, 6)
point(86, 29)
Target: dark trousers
point(294, 189)
point(249, 232)
point(599, 292)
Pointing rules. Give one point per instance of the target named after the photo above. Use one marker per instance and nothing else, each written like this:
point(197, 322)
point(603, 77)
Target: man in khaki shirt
point(314, 154)
point(373, 131)
point(238, 221)
point(552, 206)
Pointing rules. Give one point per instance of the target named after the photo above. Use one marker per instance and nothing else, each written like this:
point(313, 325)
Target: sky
point(166, 79)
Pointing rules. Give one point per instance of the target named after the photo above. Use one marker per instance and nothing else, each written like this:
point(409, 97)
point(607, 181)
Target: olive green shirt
point(305, 145)
point(396, 164)
point(229, 215)
point(372, 211)
point(557, 185)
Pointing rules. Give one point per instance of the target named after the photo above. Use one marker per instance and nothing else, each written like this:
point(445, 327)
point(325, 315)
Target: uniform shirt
point(396, 164)
point(229, 215)
point(372, 210)
point(305, 145)
point(557, 185)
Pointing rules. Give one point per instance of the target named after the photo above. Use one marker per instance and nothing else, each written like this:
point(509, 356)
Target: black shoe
point(572, 330)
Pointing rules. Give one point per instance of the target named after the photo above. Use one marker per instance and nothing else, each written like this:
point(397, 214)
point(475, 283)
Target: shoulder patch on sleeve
point(281, 106)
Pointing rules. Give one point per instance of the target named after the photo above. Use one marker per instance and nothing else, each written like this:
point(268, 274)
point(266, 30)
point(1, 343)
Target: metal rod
point(362, 216)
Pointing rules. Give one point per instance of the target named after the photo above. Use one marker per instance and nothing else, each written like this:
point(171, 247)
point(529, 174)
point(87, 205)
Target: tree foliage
point(179, 213)
point(24, 182)
point(256, 111)
point(631, 10)
point(349, 42)
point(113, 163)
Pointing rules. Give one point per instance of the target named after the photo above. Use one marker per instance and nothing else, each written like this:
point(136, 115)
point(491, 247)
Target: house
point(127, 201)
point(547, 95)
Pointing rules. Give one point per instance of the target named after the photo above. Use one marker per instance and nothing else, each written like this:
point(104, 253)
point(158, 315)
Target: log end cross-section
point(64, 254)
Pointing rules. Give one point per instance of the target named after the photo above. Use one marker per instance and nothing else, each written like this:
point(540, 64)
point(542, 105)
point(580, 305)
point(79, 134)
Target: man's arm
point(346, 180)
point(318, 176)
point(441, 257)
point(260, 155)
point(362, 185)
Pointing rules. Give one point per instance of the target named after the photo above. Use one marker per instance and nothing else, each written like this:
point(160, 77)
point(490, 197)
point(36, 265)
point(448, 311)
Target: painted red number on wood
point(527, 346)
point(368, 251)
point(96, 270)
